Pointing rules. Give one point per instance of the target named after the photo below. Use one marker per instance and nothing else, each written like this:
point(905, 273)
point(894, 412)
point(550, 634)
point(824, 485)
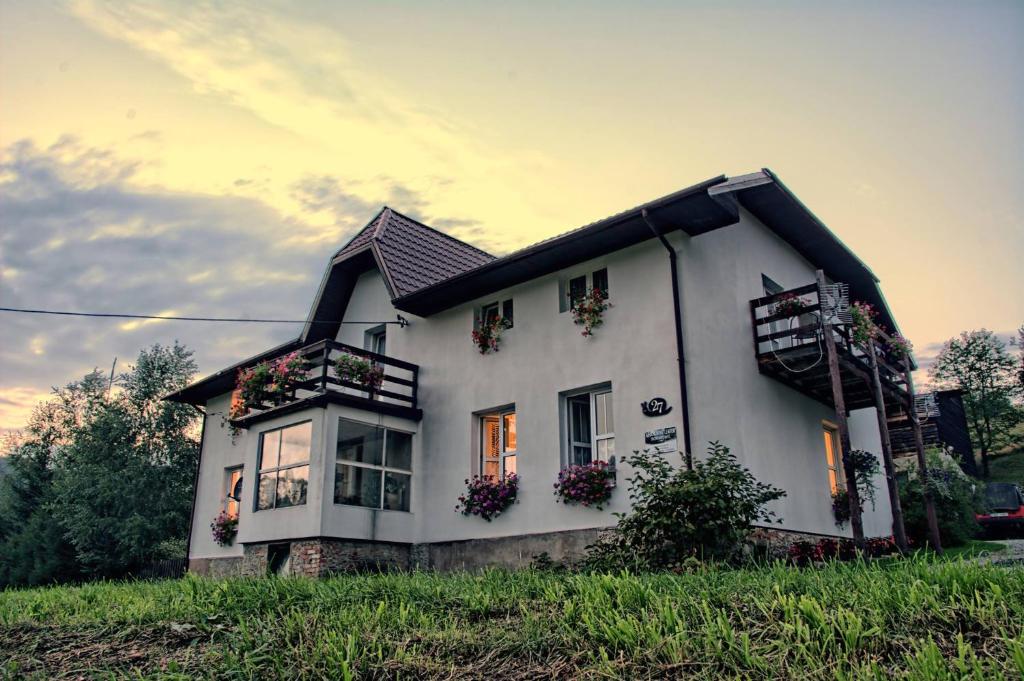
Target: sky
point(208, 158)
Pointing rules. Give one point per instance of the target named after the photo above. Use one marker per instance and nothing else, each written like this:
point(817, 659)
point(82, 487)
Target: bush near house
point(680, 515)
point(912, 619)
point(957, 499)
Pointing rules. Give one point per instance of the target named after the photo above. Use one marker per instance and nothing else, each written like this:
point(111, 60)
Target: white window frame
point(384, 468)
point(592, 395)
point(503, 452)
point(261, 471)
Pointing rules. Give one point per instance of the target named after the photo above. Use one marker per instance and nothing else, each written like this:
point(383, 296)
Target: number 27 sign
point(656, 406)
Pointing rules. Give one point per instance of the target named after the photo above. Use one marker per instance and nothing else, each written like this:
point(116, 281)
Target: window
point(232, 490)
point(590, 421)
point(834, 458)
point(377, 340)
point(498, 444)
point(374, 467)
point(575, 288)
point(284, 466)
point(491, 311)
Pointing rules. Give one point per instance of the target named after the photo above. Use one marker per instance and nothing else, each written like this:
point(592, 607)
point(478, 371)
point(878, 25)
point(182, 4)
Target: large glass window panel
point(396, 491)
point(296, 442)
point(491, 446)
point(270, 448)
point(360, 442)
point(577, 289)
point(266, 491)
point(510, 464)
point(399, 450)
point(606, 449)
point(291, 486)
point(600, 281)
point(357, 486)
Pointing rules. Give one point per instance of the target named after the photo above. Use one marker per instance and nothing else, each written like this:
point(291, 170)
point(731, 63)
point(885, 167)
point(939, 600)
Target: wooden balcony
point(792, 350)
point(320, 385)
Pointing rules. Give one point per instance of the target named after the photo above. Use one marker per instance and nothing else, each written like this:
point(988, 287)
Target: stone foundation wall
point(319, 557)
point(776, 542)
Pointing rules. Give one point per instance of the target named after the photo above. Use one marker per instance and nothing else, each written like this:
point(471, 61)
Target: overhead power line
point(401, 321)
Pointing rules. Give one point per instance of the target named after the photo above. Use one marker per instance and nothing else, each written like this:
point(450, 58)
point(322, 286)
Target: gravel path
point(1014, 553)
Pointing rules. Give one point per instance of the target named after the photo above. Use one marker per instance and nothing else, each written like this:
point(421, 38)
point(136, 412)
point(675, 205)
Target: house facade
point(332, 475)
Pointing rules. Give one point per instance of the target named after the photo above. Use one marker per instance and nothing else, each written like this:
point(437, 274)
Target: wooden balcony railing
point(791, 349)
point(319, 383)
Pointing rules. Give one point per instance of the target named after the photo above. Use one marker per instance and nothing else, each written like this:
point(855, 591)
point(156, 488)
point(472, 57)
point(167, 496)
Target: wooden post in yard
point(856, 522)
point(899, 531)
point(922, 463)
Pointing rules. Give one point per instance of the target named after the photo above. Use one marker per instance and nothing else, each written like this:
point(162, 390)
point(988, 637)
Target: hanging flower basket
point(224, 528)
point(588, 485)
point(487, 335)
point(588, 310)
point(487, 497)
point(899, 346)
point(790, 305)
point(863, 328)
point(359, 370)
point(268, 381)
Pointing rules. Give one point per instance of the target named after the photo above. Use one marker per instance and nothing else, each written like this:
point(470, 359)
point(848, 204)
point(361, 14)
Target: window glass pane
point(577, 289)
point(491, 468)
point(360, 442)
point(600, 281)
point(396, 491)
point(490, 312)
point(581, 455)
point(490, 447)
point(379, 343)
point(357, 486)
point(602, 409)
point(606, 448)
point(510, 464)
point(399, 450)
point(507, 312)
point(579, 417)
point(270, 445)
point(291, 486)
point(295, 443)
point(510, 432)
point(265, 493)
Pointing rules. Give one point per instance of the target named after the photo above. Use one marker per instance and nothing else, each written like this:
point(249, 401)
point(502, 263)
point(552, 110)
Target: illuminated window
point(284, 466)
point(232, 490)
point(834, 458)
point(498, 444)
point(374, 466)
point(590, 421)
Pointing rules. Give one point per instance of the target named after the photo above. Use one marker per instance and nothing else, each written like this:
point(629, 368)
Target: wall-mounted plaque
point(656, 406)
point(656, 437)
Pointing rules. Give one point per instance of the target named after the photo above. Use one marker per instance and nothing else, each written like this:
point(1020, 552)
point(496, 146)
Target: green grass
point(913, 619)
point(1007, 467)
point(972, 548)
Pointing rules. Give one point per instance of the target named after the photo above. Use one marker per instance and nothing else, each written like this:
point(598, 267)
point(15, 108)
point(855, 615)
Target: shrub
point(679, 514)
point(828, 548)
point(865, 467)
point(487, 497)
point(956, 496)
point(589, 484)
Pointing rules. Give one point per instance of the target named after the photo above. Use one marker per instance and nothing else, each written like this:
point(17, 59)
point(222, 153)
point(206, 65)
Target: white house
point(331, 477)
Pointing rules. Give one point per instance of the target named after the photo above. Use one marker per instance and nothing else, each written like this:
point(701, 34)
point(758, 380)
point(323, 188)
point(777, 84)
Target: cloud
point(75, 234)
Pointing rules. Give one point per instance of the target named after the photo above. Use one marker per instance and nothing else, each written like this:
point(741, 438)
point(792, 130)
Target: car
point(1005, 509)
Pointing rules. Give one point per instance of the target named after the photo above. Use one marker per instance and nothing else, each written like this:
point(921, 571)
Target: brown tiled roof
point(413, 255)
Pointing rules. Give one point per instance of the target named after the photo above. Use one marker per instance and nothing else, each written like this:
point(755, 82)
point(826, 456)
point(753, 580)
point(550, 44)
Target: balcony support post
point(899, 531)
point(324, 369)
point(934, 537)
point(835, 377)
